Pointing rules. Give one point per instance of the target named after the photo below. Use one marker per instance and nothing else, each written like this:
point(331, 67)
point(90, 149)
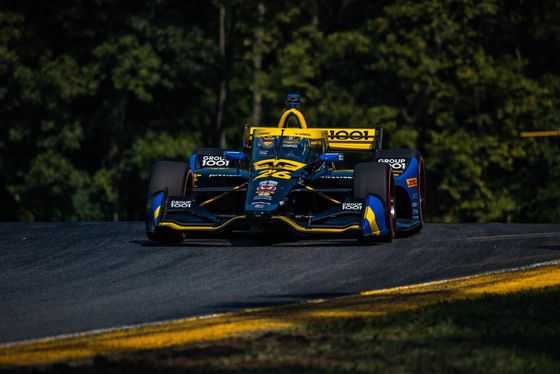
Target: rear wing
point(355, 139)
point(360, 139)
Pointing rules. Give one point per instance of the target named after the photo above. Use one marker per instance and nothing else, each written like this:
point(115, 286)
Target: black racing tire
point(377, 178)
point(170, 174)
point(410, 153)
point(176, 176)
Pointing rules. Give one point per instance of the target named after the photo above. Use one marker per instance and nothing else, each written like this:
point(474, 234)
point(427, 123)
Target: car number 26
point(273, 174)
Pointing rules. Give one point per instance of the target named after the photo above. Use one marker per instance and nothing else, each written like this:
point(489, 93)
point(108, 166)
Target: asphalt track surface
point(63, 278)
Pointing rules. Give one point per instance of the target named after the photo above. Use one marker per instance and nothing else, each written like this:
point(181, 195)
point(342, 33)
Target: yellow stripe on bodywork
point(370, 217)
point(323, 195)
point(156, 215)
point(223, 194)
point(176, 226)
point(314, 229)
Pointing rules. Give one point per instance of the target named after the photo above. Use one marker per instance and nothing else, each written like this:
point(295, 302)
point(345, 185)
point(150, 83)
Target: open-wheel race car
point(291, 185)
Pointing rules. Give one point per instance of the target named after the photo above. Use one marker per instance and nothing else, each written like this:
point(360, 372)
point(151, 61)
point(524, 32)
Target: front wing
point(362, 217)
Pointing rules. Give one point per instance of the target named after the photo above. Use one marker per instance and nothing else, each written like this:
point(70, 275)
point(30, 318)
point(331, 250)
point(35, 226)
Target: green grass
point(514, 333)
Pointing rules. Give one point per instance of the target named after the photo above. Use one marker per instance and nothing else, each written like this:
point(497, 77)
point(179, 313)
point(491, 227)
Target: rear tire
point(377, 178)
point(176, 176)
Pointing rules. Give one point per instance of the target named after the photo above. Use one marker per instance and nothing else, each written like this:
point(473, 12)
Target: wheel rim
point(188, 182)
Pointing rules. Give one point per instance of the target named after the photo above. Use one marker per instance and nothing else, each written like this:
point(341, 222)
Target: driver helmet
point(295, 146)
point(266, 143)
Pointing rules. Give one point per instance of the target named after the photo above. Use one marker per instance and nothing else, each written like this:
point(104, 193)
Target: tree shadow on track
point(242, 239)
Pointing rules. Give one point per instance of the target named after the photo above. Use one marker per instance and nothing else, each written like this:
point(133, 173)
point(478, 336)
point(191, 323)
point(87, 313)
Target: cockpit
point(294, 148)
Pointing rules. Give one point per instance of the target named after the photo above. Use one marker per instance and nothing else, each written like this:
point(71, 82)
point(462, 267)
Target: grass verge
point(507, 333)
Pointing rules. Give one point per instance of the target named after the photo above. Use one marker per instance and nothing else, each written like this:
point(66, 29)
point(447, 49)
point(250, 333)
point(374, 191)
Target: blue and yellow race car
point(291, 184)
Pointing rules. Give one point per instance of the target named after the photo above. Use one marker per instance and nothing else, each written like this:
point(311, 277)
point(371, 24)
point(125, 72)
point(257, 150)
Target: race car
point(290, 184)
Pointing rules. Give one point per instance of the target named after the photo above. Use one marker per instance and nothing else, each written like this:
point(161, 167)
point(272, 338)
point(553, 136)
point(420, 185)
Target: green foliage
point(93, 92)
point(66, 194)
point(133, 67)
point(507, 333)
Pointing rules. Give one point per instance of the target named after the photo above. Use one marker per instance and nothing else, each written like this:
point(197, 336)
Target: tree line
point(92, 92)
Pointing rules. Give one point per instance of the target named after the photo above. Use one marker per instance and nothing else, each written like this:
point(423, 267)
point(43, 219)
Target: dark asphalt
point(60, 278)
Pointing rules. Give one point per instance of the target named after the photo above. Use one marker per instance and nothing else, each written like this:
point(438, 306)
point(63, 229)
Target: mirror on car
point(230, 155)
point(332, 157)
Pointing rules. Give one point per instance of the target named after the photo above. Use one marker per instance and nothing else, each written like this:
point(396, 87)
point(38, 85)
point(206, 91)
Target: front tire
point(176, 176)
point(377, 178)
point(421, 175)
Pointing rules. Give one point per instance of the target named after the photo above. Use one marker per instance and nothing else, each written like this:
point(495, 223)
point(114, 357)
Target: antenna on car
point(293, 101)
point(280, 144)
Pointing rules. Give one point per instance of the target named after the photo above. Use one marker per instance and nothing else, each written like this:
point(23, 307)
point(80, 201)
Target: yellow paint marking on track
point(193, 330)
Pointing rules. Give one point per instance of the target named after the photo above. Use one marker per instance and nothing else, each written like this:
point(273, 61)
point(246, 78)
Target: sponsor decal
point(268, 183)
point(222, 175)
point(352, 135)
point(214, 161)
point(351, 206)
point(180, 204)
point(259, 206)
point(396, 163)
point(412, 182)
point(336, 177)
point(262, 197)
point(266, 188)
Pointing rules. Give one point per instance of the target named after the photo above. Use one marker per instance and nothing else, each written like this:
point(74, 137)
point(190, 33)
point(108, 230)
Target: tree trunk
point(258, 78)
point(219, 135)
